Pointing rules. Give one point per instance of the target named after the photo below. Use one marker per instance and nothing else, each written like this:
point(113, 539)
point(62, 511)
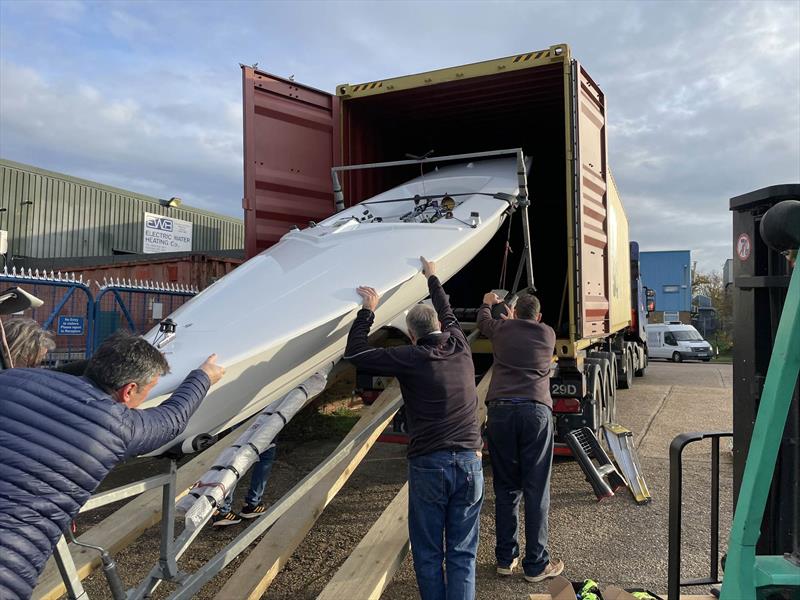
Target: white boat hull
point(278, 317)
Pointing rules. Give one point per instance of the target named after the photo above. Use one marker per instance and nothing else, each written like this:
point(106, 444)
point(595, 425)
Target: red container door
point(592, 202)
point(291, 141)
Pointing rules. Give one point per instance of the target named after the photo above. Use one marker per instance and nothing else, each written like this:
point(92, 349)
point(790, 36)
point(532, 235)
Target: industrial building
point(47, 215)
point(668, 273)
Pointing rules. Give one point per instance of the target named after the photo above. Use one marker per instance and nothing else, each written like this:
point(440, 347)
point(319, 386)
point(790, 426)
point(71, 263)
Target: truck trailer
point(585, 269)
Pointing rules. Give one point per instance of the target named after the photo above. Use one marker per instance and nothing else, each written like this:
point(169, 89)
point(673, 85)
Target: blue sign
point(70, 325)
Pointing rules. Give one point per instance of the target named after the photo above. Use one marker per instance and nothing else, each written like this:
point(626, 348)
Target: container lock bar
point(338, 196)
point(524, 203)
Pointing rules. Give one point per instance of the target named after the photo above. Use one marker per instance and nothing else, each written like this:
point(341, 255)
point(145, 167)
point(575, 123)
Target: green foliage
point(712, 285)
point(311, 425)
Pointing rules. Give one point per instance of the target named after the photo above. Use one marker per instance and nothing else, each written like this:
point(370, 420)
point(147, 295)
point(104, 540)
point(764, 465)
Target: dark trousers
point(445, 494)
point(521, 451)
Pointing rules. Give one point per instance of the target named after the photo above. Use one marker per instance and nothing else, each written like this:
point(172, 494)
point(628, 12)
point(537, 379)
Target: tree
point(712, 286)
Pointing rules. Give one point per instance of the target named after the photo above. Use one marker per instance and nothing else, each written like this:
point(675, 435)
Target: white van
point(677, 342)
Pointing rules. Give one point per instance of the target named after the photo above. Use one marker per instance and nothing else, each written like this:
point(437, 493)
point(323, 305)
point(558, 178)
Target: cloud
point(127, 27)
point(702, 98)
point(68, 11)
point(165, 147)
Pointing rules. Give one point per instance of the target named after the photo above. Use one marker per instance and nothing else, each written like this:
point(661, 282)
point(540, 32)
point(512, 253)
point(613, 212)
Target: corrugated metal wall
point(49, 215)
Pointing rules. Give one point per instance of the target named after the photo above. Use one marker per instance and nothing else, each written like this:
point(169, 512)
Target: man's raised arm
point(486, 323)
point(438, 297)
point(151, 428)
point(386, 361)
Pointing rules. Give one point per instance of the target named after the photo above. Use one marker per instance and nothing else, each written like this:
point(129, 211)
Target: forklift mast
point(761, 278)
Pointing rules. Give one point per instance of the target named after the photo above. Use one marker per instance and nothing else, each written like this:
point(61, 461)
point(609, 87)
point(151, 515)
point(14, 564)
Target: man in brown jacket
point(520, 432)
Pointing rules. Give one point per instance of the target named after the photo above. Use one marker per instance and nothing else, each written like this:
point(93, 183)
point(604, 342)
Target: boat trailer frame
point(173, 548)
point(522, 200)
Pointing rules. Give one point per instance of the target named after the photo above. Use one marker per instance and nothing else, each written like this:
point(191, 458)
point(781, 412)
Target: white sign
point(158, 311)
point(165, 234)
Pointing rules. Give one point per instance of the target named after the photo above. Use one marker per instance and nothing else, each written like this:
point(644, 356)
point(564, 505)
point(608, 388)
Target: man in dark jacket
point(520, 432)
point(445, 475)
point(60, 435)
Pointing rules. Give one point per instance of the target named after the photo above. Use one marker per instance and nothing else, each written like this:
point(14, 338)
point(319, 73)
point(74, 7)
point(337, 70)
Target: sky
point(703, 97)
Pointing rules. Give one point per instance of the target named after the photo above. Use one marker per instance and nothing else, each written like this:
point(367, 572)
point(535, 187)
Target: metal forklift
point(763, 558)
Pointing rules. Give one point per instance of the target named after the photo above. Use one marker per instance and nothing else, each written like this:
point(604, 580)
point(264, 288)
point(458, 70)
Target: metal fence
point(136, 306)
point(81, 320)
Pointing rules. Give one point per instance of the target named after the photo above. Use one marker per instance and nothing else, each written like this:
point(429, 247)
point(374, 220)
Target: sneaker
point(553, 569)
point(251, 511)
point(507, 569)
point(229, 518)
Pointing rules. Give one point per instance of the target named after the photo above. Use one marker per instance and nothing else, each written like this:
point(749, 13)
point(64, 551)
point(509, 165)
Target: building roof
point(114, 190)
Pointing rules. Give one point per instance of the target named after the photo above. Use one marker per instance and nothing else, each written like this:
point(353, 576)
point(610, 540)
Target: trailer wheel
point(676, 357)
point(611, 371)
point(627, 373)
point(640, 372)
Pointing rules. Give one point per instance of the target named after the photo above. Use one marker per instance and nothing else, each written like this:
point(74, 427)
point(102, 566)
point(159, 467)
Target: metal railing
point(80, 320)
point(674, 581)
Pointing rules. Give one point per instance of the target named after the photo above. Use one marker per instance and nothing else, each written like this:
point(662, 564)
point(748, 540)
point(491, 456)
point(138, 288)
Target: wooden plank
point(123, 527)
point(259, 569)
point(371, 566)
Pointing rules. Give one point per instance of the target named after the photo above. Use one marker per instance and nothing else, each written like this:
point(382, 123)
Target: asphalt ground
point(613, 541)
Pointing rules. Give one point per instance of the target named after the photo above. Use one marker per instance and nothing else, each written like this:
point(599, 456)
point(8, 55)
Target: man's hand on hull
point(370, 297)
point(428, 267)
point(214, 371)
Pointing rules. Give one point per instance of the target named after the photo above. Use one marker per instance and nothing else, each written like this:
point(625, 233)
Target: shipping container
point(544, 102)
point(52, 215)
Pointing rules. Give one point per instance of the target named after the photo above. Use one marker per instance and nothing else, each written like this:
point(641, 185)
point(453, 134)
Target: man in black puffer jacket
point(60, 435)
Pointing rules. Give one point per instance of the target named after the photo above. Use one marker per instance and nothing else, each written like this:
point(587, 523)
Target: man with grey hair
point(28, 343)
point(60, 435)
point(445, 474)
point(520, 432)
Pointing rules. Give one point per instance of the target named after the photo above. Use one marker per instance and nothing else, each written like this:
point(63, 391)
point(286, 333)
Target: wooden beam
point(371, 566)
point(123, 527)
point(265, 561)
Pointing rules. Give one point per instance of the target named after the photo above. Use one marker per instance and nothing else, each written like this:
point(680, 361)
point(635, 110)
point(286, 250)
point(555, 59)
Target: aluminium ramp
point(620, 442)
point(603, 476)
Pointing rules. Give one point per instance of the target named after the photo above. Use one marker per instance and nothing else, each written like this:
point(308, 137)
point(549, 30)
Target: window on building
point(672, 289)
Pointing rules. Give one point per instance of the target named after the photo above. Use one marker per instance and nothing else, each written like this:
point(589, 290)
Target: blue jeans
point(520, 440)
point(444, 506)
point(258, 481)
